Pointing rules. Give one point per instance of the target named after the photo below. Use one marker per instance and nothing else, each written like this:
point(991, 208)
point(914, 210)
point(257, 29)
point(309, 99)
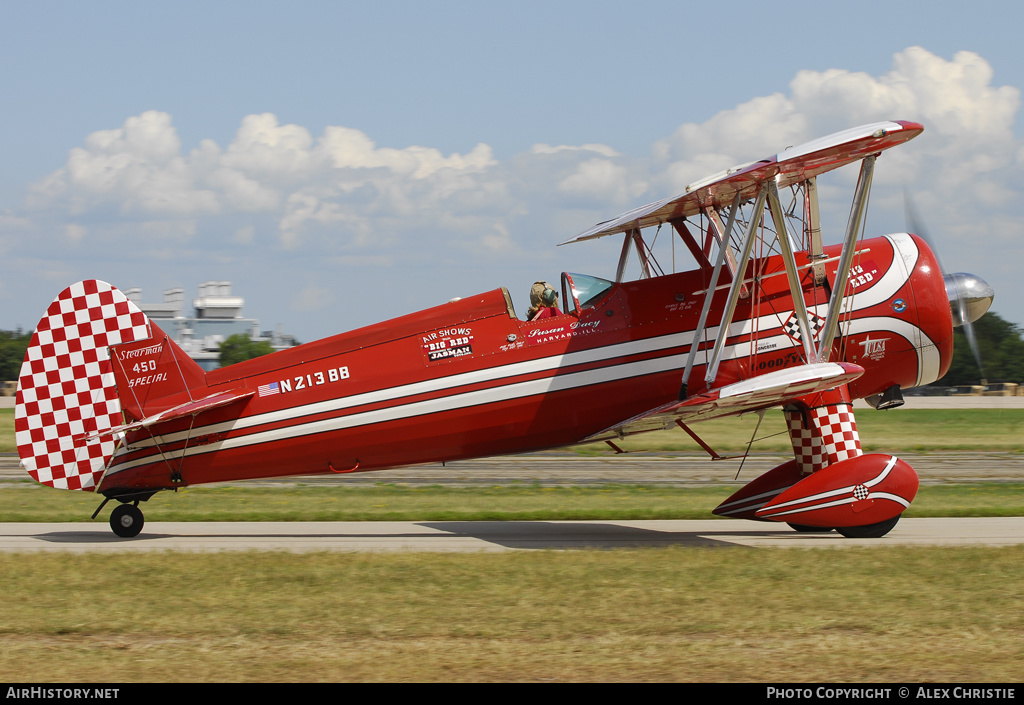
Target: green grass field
point(7, 444)
point(855, 615)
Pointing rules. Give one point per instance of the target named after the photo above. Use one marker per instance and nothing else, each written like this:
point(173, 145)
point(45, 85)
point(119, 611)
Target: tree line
point(13, 344)
point(1000, 346)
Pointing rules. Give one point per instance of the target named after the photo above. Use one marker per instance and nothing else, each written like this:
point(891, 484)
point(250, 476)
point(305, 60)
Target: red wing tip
point(851, 368)
point(910, 126)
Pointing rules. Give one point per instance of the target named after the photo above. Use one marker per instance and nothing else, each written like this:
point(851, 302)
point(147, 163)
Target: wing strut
point(638, 242)
point(620, 271)
point(699, 254)
point(795, 290)
point(723, 241)
point(737, 285)
point(814, 229)
point(709, 293)
point(853, 226)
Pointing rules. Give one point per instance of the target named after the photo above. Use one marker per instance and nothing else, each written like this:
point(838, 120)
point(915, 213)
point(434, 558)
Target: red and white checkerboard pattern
point(66, 388)
point(829, 436)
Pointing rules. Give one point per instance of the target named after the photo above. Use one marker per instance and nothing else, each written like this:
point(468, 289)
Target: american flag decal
point(266, 390)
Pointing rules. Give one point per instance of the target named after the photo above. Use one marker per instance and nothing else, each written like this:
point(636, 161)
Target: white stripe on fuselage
point(517, 390)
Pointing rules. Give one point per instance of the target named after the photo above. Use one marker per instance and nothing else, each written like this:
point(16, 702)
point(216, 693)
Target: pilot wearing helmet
point(543, 302)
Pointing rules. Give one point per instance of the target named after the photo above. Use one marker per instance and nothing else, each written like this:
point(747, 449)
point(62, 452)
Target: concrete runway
point(488, 536)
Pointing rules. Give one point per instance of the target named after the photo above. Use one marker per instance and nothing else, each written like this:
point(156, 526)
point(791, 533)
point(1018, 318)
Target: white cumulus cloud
point(340, 199)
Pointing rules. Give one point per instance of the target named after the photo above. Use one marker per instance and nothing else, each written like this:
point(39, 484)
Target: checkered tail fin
point(71, 392)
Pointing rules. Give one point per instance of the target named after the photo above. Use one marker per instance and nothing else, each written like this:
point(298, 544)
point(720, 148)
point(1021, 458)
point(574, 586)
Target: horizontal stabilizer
point(762, 392)
point(180, 411)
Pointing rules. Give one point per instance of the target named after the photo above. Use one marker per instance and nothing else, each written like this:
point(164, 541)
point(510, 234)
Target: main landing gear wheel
point(126, 520)
point(805, 529)
point(869, 531)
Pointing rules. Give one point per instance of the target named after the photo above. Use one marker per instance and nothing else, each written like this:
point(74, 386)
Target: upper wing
point(787, 167)
point(762, 392)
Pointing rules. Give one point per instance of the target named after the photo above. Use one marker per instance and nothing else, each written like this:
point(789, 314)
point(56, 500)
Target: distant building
point(218, 315)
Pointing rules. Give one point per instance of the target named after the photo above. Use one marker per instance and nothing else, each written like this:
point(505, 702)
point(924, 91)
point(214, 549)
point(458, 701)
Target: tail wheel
point(126, 520)
point(869, 531)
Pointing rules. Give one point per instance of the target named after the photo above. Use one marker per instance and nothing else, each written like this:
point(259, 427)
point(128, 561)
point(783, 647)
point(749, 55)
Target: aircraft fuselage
point(470, 379)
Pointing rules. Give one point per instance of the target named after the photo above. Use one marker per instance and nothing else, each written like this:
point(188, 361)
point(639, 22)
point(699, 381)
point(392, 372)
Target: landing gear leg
point(126, 520)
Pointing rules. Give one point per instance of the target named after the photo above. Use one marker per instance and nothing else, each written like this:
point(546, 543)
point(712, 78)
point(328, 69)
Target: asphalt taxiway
point(488, 536)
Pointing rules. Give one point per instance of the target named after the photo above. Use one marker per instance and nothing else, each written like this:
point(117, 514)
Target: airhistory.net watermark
point(50, 693)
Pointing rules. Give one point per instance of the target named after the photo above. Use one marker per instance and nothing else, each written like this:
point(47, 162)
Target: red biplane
point(772, 317)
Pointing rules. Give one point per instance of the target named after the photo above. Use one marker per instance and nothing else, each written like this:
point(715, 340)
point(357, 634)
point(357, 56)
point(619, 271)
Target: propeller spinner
point(969, 297)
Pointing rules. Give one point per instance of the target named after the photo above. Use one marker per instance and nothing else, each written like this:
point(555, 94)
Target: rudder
point(67, 399)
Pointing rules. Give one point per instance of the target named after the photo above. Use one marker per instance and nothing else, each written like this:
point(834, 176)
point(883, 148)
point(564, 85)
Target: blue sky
point(343, 163)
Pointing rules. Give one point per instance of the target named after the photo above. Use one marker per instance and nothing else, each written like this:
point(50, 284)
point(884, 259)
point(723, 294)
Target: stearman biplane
point(772, 317)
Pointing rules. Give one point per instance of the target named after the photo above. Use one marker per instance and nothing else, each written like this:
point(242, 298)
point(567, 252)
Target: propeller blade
point(915, 226)
point(969, 296)
point(972, 340)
